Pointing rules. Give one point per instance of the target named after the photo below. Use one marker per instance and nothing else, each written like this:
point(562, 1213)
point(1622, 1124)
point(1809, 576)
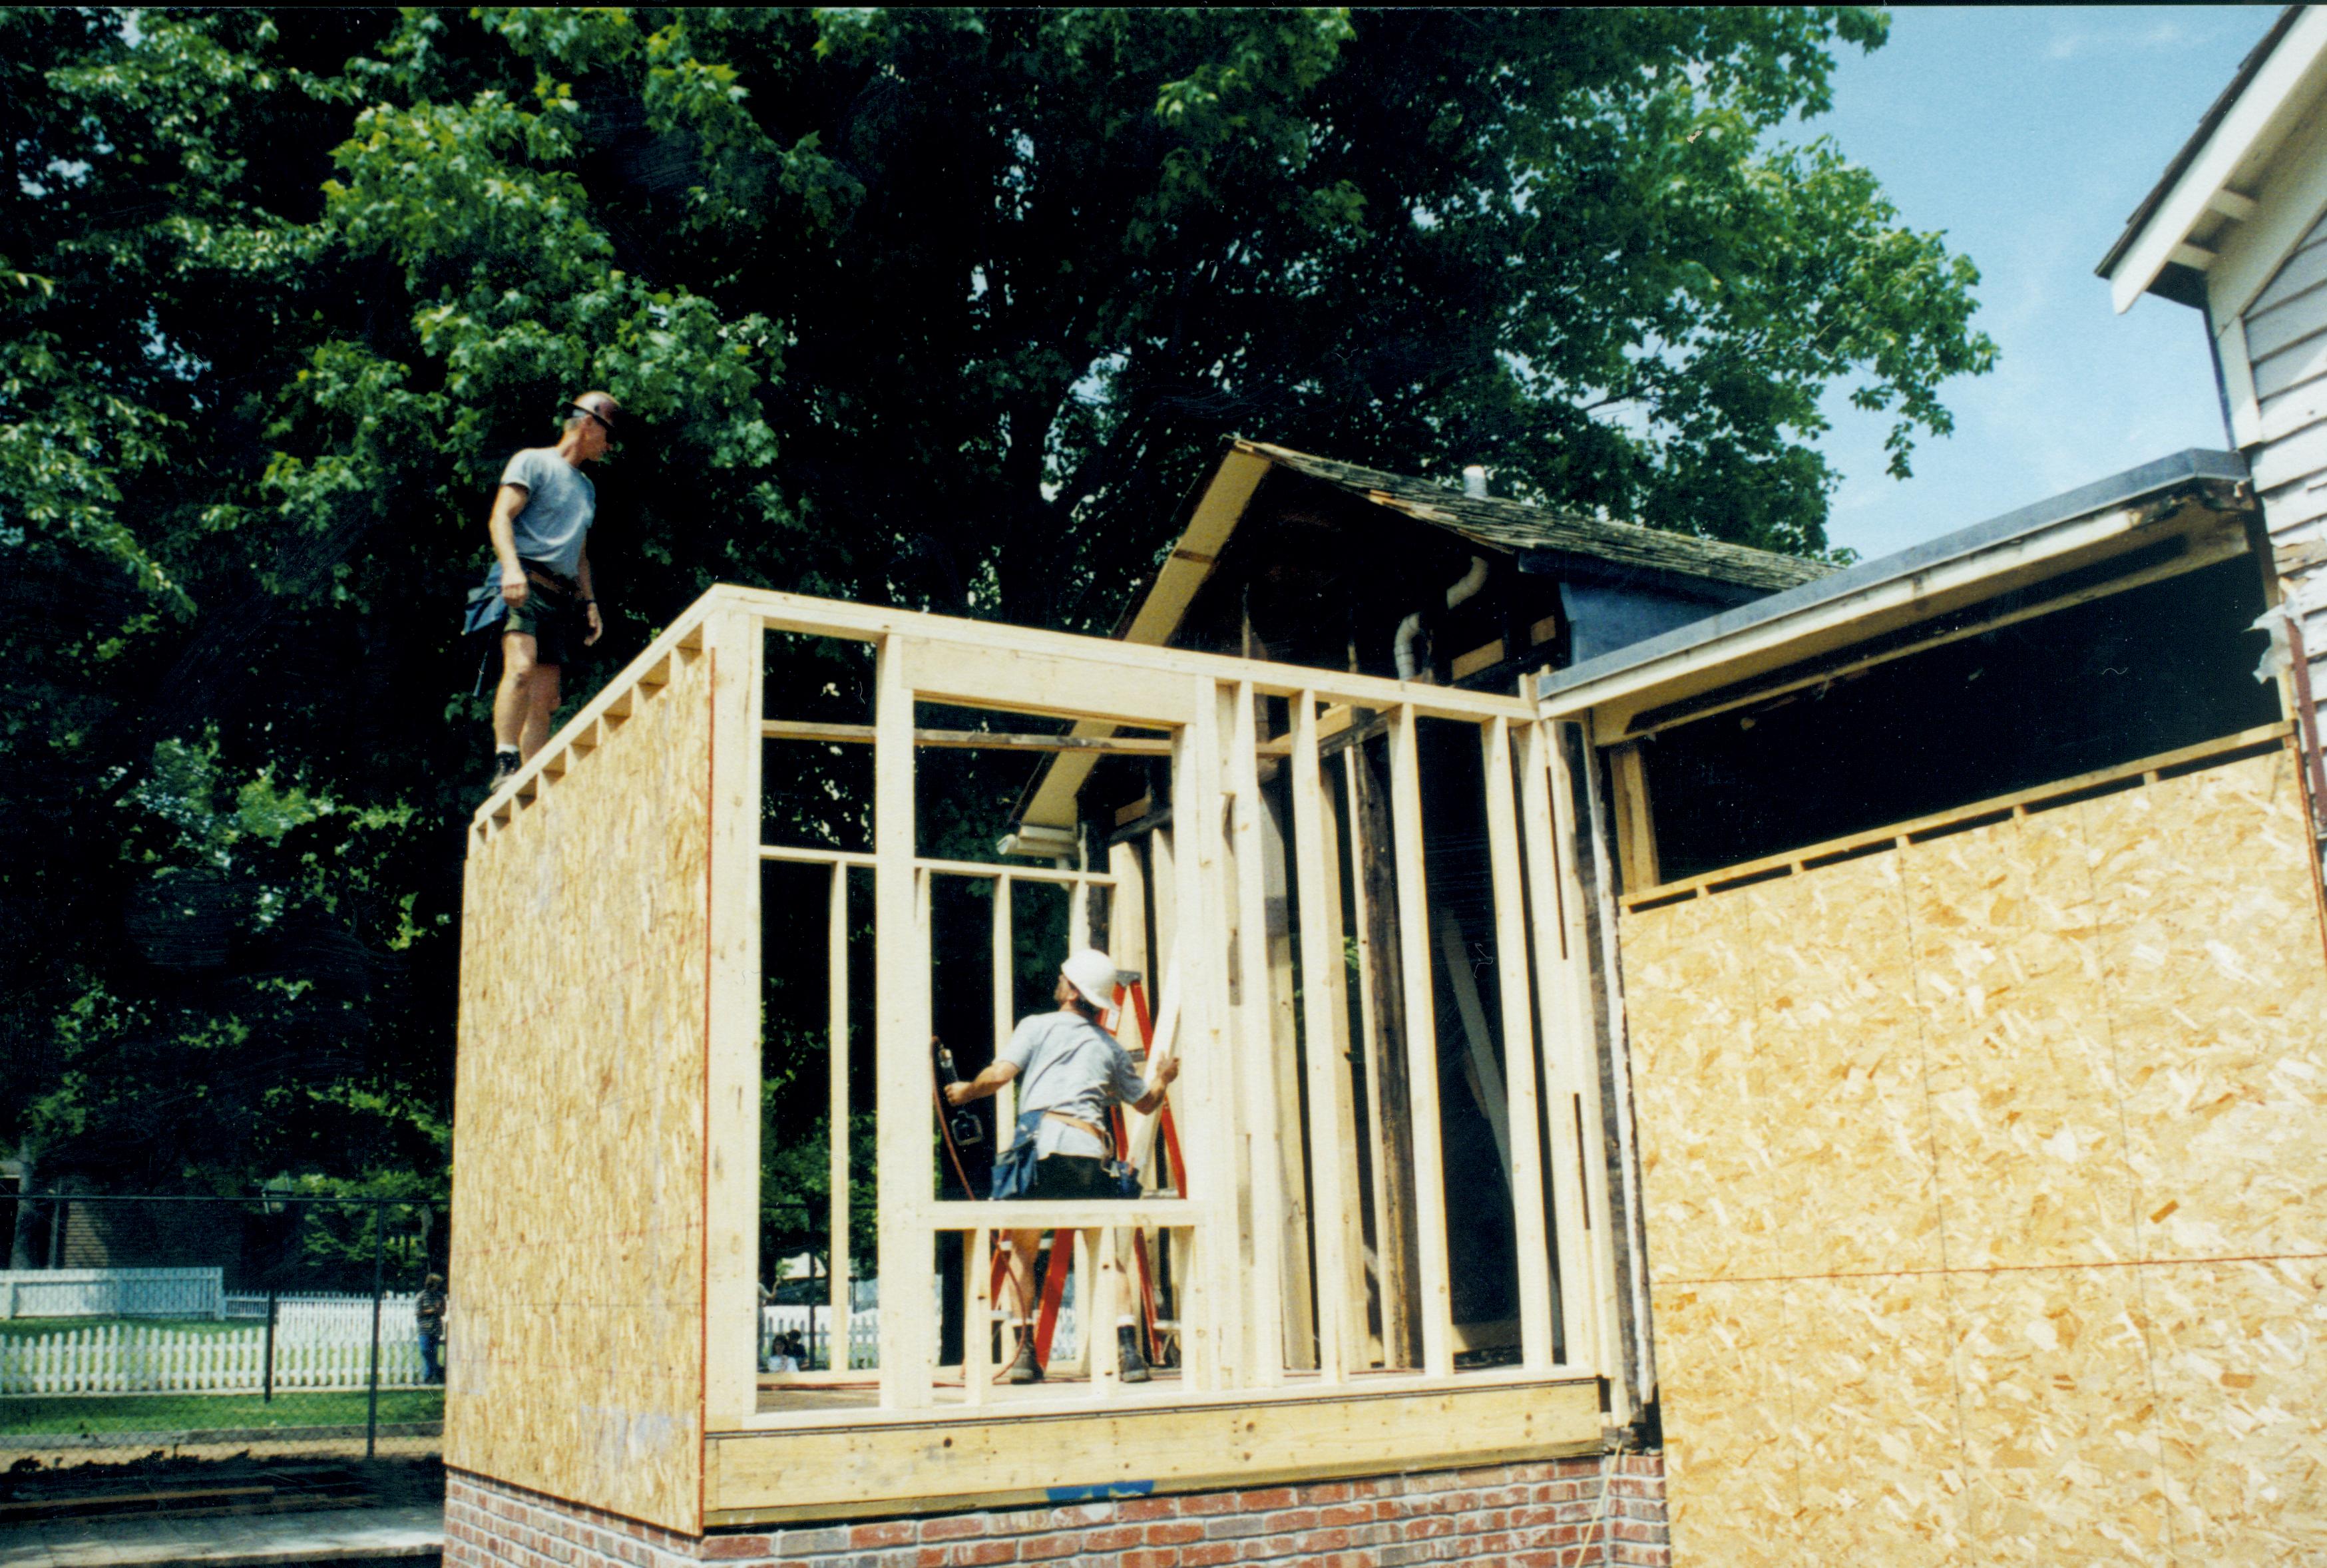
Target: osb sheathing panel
point(1984, 1182)
point(576, 1361)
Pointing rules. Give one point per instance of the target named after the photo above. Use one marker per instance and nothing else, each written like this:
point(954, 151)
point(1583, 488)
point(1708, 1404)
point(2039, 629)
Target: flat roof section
point(1927, 579)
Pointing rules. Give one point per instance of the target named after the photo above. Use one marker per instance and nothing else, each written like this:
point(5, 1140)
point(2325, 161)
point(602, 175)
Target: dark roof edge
point(1182, 516)
point(2207, 125)
point(2116, 491)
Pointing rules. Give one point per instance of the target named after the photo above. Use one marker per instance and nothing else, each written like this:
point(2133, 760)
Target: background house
point(2236, 228)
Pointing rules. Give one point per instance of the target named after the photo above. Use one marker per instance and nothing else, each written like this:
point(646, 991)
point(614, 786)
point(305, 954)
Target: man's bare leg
point(543, 695)
point(513, 698)
point(1024, 1245)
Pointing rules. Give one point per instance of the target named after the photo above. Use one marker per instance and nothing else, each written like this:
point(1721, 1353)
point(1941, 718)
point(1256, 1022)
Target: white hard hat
point(1092, 973)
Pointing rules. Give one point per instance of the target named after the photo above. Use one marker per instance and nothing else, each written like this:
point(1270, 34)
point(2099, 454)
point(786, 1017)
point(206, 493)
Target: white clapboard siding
point(2285, 334)
point(2305, 360)
point(2306, 268)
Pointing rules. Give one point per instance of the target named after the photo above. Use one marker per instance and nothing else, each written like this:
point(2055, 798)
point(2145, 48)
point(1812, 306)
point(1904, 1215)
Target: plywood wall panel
point(576, 1335)
point(1840, 1066)
point(2217, 995)
point(2081, 1315)
point(2024, 1083)
point(1692, 1025)
point(1730, 1457)
point(2237, 1351)
point(2060, 1436)
point(1869, 1362)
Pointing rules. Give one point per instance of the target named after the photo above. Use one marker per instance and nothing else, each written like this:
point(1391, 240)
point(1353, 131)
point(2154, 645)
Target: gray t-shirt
point(560, 503)
point(1072, 1066)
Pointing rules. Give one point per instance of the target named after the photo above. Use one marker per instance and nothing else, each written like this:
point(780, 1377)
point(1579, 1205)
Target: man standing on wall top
point(540, 528)
point(1075, 1072)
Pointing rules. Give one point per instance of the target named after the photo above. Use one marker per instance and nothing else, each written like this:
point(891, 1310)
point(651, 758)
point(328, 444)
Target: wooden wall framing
point(612, 973)
point(1986, 1185)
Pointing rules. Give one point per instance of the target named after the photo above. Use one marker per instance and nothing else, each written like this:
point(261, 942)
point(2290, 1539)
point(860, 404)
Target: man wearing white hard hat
point(1071, 1073)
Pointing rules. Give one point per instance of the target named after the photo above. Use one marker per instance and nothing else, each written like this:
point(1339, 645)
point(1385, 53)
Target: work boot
point(1025, 1369)
point(1134, 1366)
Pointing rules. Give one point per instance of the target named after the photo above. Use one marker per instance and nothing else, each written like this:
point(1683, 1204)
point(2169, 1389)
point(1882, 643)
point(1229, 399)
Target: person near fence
point(428, 1318)
point(1074, 1073)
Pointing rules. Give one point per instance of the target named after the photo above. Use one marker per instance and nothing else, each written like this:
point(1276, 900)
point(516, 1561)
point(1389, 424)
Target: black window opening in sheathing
point(2133, 675)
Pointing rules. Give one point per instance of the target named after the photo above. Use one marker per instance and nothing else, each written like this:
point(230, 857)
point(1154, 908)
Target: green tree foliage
point(939, 308)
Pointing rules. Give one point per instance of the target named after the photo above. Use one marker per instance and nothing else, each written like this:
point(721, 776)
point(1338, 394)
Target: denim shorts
point(552, 615)
point(1071, 1176)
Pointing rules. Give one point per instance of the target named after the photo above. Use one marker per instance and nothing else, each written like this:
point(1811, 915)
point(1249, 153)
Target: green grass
point(41, 1327)
point(209, 1412)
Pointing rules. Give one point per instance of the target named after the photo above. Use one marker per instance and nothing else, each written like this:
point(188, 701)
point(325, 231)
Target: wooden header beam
point(1085, 663)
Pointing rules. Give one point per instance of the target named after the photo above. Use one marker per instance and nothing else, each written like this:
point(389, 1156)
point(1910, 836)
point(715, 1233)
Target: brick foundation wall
point(1556, 1514)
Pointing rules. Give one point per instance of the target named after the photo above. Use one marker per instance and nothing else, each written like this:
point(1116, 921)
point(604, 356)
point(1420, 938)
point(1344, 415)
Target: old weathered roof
point(1518, 528)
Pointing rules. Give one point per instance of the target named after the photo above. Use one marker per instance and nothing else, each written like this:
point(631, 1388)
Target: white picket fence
point(110, 1292)
point(323, 1343)
point(865, 1332)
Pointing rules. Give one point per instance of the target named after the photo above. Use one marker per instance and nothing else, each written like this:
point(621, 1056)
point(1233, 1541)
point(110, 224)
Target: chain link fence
point(157, 1332)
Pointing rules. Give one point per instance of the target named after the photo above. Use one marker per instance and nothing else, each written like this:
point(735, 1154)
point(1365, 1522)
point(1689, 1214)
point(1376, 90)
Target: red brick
point(727, 1546)
point(1178, 1533)
point(1209, 1554)
point(970, 1554)
point(954, 1528)
point(1167, 1557)
point(1257, 1502)
point(1147, 1508)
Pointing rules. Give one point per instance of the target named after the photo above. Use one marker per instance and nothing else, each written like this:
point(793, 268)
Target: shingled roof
point(1519, 528)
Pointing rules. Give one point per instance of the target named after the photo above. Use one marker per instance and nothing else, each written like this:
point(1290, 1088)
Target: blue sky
point(2029, 136)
